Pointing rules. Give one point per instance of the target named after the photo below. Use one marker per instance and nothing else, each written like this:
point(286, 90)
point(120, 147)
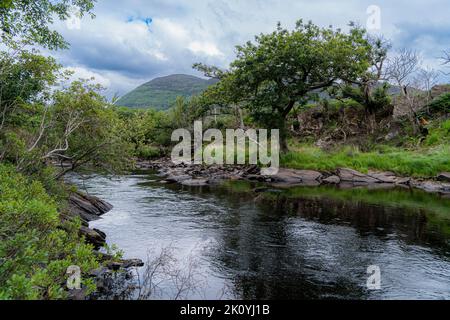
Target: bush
point(35, 247)
point(148, 152)
point(441, 134)
point(440, 104)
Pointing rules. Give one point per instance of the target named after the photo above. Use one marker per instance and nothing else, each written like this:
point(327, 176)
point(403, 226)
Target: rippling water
point(307, 244)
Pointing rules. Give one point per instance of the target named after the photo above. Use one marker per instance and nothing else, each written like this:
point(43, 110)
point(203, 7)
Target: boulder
point(195, 183)
point(332, 180)
point(178, 178)
point(286, 178)
point(432, 186)
point(88, 207)
point(444, 176)
point(292, 176)
point(383, 177)
point(350, 175)
point(93, 236)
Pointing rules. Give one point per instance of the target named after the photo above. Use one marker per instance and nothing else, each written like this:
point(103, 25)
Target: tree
point(402, 67)
point(370, 89)
point(269, 77)
point(84, 130)
point(30, 20)
point(446, 58)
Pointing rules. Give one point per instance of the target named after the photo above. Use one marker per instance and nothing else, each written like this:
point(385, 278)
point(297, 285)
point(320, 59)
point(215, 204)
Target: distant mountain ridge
point(161, 93)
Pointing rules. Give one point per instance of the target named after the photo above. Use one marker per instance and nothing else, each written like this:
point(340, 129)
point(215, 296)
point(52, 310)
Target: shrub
point(35, 247)
point(148, 152)
point(441, 103)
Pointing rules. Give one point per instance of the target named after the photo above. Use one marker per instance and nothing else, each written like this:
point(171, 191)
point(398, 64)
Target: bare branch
point(402, 67)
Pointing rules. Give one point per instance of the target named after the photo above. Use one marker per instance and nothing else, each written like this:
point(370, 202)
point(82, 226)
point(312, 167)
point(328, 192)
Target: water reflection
point(296, 244)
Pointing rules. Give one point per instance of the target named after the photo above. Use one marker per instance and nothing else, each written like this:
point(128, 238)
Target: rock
point(332, 180)
point(195, 183)
point(383, 177)
point(444, 176)
point(88, 207)
point(402, 181)
point(432, 186)
point(77, 295)
point(291, 176)
point(349, 175)
point(255, 177)
point(178, 179)
point(253, 170)
point(93, 236)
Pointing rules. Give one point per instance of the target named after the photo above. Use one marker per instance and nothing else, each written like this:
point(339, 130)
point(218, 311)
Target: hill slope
point(161, 93)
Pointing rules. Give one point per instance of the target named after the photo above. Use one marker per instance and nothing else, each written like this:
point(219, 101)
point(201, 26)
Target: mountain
point(161, 93)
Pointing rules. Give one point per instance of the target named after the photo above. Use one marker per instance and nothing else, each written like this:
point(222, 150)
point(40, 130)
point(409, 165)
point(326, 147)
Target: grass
point(427, 162)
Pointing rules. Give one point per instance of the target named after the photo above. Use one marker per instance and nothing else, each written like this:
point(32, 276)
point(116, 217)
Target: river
point(304, 243)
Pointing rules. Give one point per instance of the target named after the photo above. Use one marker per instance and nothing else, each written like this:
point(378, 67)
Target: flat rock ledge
point(88, 208)
point(201, 176)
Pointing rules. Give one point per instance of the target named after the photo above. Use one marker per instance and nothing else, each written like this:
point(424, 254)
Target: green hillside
point(161, 93)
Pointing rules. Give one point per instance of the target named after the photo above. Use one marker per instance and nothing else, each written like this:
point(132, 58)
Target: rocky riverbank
point(198, 175)
point(89, 208)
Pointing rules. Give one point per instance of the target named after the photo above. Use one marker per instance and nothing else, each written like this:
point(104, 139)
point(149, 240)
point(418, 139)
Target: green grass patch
point(417, 163)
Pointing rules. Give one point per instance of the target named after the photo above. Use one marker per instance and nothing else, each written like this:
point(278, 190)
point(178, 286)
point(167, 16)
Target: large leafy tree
point(278, 70)
point(31, 20)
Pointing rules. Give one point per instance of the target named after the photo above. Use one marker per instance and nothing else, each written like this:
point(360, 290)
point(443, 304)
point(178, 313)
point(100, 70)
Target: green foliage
point(161, 93)
point(439, 135)
point(441, 104)
point(375, 100)
point(36, 248)
point(30, 20)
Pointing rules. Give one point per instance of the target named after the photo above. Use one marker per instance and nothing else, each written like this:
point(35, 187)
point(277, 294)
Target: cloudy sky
point(132, 41)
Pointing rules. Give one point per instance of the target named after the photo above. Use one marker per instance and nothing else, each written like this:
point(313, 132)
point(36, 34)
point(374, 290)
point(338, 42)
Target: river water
point(229, 243)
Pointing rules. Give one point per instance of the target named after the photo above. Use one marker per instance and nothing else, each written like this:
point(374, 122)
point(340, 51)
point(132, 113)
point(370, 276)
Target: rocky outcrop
point(349, 175)
point(93, 236)
point(88, 207)
point(291, 177)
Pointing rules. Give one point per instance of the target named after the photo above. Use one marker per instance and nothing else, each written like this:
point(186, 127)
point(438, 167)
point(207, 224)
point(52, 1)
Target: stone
point(403, 181)
point(444, 176)
point(93, 236)
point(291, 176)
point(350, 175)
point(178, 179)
point(332, 180)
point(432, 186)
point(195, 183)
point(383, 177)
point(88, 207)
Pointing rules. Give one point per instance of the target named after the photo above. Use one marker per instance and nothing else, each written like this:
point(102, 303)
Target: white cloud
point(207, 48)
point(123, 47)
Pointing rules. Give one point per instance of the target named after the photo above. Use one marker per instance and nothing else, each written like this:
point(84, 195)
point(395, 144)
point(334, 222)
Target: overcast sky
point(132, 41)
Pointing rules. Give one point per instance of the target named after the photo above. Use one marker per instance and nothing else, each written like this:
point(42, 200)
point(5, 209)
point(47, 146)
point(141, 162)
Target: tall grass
point(417, 163)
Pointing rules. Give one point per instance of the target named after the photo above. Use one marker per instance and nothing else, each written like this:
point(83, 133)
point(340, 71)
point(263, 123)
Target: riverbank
point(88, 208)
point(198, 175)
